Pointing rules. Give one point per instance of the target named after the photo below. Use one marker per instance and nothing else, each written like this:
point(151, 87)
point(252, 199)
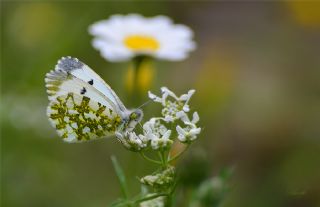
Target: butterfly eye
point(136, 115)
point(133, 115)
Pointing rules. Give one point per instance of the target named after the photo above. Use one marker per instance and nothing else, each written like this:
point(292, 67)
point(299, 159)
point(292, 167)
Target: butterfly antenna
point(144, 104)
point(142, 127)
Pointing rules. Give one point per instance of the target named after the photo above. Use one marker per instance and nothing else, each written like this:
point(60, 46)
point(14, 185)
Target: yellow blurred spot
point(143, 78)
point(141, 43)
point(306, 13)
point(129, 80)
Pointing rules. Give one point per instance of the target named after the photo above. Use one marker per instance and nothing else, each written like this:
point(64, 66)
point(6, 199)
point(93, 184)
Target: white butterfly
point(82, 106)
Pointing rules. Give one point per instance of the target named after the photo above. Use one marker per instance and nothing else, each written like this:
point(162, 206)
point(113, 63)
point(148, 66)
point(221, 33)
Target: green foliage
point(121, 177)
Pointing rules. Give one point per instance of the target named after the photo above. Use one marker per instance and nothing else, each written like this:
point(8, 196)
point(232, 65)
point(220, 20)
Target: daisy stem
point(149, 159)
point(137, 62)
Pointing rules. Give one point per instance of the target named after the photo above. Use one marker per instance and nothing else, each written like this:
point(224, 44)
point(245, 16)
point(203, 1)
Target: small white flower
point(157, 133)
point(132, 141)
point(161, 142)
point(122, 37)
point(187, 134)
point(186, 120)
point(154, 126)
point(166, 92)
point(154, 97)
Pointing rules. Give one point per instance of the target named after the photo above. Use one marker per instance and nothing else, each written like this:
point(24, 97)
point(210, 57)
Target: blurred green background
point(256, 71)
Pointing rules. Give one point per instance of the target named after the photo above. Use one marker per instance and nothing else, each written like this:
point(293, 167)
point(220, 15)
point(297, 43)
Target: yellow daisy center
point(141, 43)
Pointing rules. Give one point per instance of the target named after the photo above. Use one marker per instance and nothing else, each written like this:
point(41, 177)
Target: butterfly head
point(136, 115)
point(133, 118)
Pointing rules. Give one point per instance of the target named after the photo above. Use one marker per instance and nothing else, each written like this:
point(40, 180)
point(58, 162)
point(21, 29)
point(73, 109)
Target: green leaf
point(118, 203)
point(121, 176)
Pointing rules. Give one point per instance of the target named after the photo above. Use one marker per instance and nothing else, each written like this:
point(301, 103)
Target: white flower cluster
point(156, 134)
point(132, 141)
point(190, 131)
point(175, 108)
point(161, 179)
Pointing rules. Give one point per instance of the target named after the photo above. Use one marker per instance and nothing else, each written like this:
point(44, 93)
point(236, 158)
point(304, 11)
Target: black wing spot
point(90, 82)
point(83, 91)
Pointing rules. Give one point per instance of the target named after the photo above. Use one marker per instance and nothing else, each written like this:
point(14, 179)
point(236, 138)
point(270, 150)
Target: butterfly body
point(82, 106)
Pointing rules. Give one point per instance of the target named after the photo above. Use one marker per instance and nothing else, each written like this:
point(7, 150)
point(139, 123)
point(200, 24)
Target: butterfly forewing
point(71, 75)
point(82, 106)
point(93, 79)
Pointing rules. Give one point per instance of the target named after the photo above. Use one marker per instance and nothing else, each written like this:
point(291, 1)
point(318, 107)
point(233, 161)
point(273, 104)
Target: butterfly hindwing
point(78, 118)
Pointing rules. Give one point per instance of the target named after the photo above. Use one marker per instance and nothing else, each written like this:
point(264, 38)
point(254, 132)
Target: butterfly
point(82, 106)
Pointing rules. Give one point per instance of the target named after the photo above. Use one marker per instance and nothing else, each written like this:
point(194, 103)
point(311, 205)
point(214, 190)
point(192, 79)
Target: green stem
point(150, 197)
point(121, 176)
point(161, 157)
point(149, 159)
point(165, 158)
point(178, 155)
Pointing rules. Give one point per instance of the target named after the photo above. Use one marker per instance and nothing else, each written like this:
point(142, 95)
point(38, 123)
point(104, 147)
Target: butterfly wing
point(82, 106)
point(79, 118)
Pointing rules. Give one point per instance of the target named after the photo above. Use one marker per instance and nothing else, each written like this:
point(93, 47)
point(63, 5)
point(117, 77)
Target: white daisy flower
point(123, 37)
